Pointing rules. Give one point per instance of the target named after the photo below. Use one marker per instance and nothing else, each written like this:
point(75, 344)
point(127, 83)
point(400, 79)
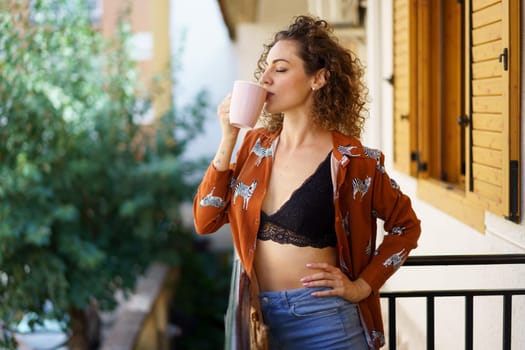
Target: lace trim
point(270, 231)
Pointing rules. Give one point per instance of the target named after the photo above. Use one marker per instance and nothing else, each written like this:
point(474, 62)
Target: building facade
point(446, 102)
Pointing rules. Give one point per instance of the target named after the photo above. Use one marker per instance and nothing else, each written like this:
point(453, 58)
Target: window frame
point(446, 181)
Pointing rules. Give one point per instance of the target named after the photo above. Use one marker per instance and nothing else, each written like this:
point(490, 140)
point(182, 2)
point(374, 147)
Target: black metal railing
point(431, 295)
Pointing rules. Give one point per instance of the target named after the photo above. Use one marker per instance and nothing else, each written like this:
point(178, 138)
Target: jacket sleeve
point(401, 224)
point(211, 202)
point(214, 194)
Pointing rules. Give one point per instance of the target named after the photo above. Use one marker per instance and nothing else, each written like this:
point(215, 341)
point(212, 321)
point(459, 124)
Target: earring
point(313, 88)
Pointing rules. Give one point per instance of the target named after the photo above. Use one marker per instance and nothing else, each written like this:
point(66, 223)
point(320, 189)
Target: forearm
point(362, 290)
point(212, 200)
point(222, 158)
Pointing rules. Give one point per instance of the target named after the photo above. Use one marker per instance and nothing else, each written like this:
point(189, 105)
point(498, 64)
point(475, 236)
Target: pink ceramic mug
point(246, 103)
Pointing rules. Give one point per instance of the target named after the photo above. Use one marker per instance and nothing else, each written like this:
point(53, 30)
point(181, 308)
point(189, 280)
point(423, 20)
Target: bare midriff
point(281, 266)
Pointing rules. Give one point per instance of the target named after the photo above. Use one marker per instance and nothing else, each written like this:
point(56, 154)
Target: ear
point(320, 78)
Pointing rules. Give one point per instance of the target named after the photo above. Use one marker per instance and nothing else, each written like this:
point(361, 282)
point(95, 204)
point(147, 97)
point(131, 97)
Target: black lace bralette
point(307, 218)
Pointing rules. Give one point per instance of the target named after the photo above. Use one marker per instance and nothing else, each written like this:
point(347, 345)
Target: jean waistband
point(290, 294)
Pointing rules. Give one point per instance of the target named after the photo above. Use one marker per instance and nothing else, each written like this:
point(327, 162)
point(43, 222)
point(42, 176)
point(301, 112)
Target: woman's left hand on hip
point(339, 283)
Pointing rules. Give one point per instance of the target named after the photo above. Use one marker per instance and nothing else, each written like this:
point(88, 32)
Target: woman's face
point(289, 87)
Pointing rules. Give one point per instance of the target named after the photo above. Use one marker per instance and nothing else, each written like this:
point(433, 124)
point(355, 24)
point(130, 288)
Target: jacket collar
point(346, 147)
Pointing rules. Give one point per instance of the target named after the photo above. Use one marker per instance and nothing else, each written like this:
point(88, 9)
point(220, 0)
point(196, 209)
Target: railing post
point(469, 294)
point(469, 322)
point(430, 323)
point(507, 321)
point(392, 331)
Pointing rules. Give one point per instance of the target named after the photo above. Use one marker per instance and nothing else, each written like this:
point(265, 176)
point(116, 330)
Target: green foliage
point(201, 297)
point(88, 198)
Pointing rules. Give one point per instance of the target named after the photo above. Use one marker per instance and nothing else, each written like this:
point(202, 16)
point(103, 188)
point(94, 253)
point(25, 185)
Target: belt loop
point(284, 298)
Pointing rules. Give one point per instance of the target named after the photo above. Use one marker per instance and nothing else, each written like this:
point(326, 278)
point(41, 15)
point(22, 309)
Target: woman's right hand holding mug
point(222, 158)
point(229, 131)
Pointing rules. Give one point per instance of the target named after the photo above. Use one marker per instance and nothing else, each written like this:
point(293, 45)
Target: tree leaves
point(88, 198)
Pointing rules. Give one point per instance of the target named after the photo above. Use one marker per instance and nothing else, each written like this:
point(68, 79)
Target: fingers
point(338, 283)
point(223, 112)
point(333, 283)
point(327, 272)
point(326, 293)
point(319, 276)
point(328, 276)
point(323, 279)
point(223, 109)
point(321, 266)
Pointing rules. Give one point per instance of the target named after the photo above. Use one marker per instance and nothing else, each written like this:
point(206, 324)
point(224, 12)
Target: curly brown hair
point(339, 105)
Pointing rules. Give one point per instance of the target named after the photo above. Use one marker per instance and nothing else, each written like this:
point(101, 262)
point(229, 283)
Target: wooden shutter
point(493, 102)
point(402, 47)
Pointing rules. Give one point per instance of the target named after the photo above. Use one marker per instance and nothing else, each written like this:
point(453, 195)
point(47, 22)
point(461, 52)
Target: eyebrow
point(280, 60)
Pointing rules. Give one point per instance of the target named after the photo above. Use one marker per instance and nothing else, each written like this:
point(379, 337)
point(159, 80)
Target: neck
point(300, 132)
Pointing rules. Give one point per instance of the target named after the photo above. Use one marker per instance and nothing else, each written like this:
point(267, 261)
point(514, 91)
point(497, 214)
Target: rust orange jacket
point(363, 192)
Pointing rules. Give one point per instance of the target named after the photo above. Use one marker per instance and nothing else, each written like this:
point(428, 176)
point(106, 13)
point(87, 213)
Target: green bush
point(88, 198)
point(201, 297)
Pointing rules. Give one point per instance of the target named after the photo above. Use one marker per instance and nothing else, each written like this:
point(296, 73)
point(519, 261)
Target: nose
point(265, 78)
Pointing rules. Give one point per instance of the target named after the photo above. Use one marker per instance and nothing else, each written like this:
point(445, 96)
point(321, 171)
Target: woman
point(303, 196)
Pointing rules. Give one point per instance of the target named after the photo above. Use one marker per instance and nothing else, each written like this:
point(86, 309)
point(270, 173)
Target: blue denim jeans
point(298, 320)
